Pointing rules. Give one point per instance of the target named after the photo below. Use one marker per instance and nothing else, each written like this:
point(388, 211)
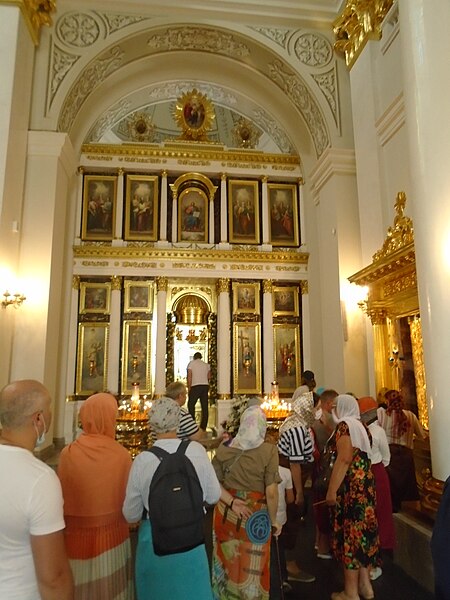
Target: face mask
point(40, 438)
point(319, 414)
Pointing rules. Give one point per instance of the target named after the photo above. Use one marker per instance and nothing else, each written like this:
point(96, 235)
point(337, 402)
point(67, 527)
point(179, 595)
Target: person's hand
point(300, 499)
point(331, 498)
point(276, 529)
point(241, 509)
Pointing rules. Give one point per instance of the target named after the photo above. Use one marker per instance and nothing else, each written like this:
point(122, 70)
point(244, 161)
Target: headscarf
point(395, 409)
point(164, 415)
point(252, 429)
point(304, 413)
point(98, 415)
point(347, 410)
point(299, 392)
point(368, 409)
point(94, 468)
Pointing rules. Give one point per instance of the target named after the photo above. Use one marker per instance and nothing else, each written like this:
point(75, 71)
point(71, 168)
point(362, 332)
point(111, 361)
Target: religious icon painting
point(193, 215)
point(95, 298)
point(99, 207)
point(141, 208)
point(136, 356)
point(194, 113)
point(286, 344)
point(246, 298)
point(92, 358)
point(138, 296)
point(285, 301)
point(283, 207)
point(247, 358)
point(243, 212)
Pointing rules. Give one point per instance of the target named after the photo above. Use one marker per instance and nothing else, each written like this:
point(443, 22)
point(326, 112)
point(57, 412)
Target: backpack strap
point(160, 453)
point(182, 447)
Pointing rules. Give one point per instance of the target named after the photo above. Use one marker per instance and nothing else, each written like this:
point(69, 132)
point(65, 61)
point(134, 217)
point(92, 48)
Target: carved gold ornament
point(140, 127)
point(245, 134)
point(360, 21)
point(36, 14)
point(194, 113)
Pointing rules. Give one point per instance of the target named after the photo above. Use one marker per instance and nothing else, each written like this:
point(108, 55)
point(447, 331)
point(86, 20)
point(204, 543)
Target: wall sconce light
point(15, 300)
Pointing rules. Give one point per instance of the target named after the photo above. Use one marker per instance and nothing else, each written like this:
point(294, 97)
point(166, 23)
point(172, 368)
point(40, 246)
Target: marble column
point(119, 206)
point(174, 216)
point(268, 358)
point(163, 208)
point(211, 217)
point(114, 336)
point(161, 311)
point(223, 210)
point(224, 358)
point(79, 209)
point(265, 210)
point(425, 51)
point(301, 210)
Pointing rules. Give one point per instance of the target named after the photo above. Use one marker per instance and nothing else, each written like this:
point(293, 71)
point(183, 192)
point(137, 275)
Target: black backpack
point(175, 503)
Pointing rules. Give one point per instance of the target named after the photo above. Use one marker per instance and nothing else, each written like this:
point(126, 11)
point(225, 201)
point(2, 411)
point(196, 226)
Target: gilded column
point(224, 339)
point(383, 370)
point(265, 211)
point(119, 205)
point(267, 337)
point(161, 310)
point(305, 328)
point(163, 208)
point(223, 210)
point(114, 336)
point(425, 51)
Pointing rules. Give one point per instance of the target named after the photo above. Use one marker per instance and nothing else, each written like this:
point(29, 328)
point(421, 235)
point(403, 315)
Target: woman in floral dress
point(351, 493)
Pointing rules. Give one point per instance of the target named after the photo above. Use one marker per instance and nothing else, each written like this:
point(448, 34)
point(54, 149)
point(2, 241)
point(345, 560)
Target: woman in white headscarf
point(351, 493)
point(248, 471)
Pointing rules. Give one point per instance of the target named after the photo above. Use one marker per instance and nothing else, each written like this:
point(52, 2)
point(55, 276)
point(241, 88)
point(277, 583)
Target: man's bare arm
point(52, 567)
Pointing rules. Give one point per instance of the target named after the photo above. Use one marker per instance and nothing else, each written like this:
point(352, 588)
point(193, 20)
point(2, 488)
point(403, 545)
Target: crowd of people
point(66, 536)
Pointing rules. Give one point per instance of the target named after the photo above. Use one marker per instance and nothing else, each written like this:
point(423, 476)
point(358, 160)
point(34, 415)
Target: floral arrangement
point(231, 425)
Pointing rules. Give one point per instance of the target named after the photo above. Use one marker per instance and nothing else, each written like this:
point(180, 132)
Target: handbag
point(324, 469)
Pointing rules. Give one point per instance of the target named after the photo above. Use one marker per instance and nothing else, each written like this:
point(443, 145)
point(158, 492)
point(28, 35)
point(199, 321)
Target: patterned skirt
point(241, 555)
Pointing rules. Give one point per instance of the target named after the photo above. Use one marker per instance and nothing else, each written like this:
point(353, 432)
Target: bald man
point(33, 560)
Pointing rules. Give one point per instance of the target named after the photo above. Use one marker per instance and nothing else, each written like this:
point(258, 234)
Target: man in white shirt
point(198, 375)
point(188, 428)
point(33, 560)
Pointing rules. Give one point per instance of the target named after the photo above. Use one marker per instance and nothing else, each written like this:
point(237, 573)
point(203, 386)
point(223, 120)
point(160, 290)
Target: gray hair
point(174, 389)
point(19, 400)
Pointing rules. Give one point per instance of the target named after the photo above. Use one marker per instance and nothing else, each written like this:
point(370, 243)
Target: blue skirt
point(181, 576)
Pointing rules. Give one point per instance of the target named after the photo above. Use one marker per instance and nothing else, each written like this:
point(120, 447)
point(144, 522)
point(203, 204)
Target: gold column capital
point(359, 22)
point(121, 171)
point(223, 176)
point(376, 314)
point(301, 181)
point(267, 286)
point(264, 179)
point(75, 282)
point(223, 285)
point(164, 173)
point(304, 287)
point(36, 14)
point(116, 282)
point(161, 284)
point(80, 169)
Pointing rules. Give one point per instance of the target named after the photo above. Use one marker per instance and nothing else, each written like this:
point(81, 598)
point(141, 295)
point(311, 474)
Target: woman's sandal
point(340, 596)
point(364, 597)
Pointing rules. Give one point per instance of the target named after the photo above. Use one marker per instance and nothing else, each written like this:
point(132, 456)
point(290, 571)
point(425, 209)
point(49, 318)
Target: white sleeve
point(138, 484)
point(384, 447)
point(45, 510)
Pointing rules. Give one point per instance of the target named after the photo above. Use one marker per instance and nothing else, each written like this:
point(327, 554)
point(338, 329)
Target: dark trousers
point(199, 392)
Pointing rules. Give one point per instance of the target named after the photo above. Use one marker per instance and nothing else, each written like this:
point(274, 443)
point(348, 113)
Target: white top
point(285, 484)
point(380, 447)
point(405, 439)
point(200, 370)
point(31, 503)
point(144, 467)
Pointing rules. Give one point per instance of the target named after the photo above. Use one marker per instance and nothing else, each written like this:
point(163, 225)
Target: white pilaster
point(425, 52)
point(119, 206)
point(114, 337)
point(160, 362)
point(223, 338)
point(265, 212)
point(223, 210)
point(268, 359)
point(174, 218)
point(211, 218)
point(163, 208)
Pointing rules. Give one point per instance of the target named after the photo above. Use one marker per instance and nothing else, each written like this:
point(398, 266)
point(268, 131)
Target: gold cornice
point(36, 14)
point(406, 257)
point(151, 253)
point(359, 22)
point(191, 151)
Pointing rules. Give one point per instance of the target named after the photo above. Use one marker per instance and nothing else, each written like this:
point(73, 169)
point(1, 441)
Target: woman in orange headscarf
point(94, 471)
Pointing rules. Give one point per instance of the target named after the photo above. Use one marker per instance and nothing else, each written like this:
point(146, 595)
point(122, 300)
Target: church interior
point(257, 182)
